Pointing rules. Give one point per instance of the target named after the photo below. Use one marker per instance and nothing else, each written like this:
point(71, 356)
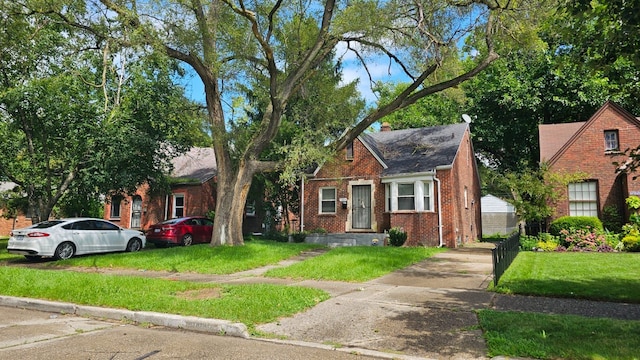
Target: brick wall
point(6, 225)
point(198, 199)
point(338, 174)
point(588, 155)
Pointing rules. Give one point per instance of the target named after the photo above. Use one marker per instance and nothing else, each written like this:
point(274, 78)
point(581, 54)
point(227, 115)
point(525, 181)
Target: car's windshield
point(46, 224)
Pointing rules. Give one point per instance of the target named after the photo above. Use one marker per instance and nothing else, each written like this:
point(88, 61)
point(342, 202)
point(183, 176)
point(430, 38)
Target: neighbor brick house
point(592, 147)
point(192, 192)
point(424, 181)
point(18, 220)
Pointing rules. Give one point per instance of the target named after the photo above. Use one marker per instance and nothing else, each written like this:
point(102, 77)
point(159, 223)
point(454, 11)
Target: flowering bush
point(582, 239)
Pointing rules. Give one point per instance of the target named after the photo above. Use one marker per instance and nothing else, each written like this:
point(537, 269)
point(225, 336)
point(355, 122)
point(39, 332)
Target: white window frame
point(322, 200)
point(174, 206)
point(412, 196)
point(583, 198)
point(427, 195)
point(423, 197)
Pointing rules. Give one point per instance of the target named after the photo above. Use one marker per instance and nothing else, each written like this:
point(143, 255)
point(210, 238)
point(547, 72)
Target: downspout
point(166, 206)
point(302, 204)
point(439, 211)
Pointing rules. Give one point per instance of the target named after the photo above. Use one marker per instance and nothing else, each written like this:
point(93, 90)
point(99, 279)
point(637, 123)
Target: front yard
point(248, 303)
point(594, 276)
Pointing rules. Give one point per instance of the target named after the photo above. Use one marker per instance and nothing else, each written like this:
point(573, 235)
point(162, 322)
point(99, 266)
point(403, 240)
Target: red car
point(181, 231)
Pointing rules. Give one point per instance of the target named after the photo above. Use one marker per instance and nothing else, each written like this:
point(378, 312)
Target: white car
point(64, 238)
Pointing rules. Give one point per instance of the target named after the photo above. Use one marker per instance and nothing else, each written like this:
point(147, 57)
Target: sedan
point(181, 231)
point(64, 238)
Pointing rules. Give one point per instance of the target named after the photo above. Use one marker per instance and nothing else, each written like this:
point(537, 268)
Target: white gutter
point(439, 211)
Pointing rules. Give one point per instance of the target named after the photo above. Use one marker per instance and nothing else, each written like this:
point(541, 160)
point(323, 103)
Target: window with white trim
point(178, 205)
point(327, 200)
point(583, 199)
point(426, 195)
point(406, 196)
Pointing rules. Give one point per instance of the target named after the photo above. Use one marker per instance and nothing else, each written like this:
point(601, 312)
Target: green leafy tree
point(439, 109)
point(227, 42)
point(73, 125)
point(535, 193)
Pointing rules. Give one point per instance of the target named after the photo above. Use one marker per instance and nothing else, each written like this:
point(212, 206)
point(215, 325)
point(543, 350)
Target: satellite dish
point(466, 118)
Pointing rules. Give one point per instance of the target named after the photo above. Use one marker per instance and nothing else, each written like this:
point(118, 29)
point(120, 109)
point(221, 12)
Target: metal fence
point(503, 255)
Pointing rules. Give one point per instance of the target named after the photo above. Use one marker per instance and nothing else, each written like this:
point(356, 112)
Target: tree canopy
point(78, 120)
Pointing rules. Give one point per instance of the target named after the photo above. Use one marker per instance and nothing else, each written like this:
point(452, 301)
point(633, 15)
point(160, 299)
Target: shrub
point(528, 242)
point(575, 222)
point(582, 239)
point(277, 236)
point(318, 231)
point(397, 236)
point(611, 218)
point(549, 245)
point(299, 236)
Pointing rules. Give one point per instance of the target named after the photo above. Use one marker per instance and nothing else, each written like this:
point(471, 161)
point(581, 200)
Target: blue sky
point(379, 69)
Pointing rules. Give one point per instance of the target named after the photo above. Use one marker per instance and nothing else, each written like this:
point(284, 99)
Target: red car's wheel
point(187, 240)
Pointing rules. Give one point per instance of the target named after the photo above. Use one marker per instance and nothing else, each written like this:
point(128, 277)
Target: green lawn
point(595, 276)
point(542, 336)
point(250, 304)
point(357, 264)
point(197, 258)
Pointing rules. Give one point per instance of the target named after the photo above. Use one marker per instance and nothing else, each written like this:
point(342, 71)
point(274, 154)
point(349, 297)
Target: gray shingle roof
point(198, 164)
point(416, 150)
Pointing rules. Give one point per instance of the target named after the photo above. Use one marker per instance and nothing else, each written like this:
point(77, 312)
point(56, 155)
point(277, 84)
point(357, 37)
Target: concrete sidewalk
point(423, 311)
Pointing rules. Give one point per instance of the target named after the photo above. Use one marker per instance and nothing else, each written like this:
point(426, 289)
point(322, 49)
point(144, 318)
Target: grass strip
point(595, 276)
point(201, 258)
point(354, 264)
point(247, 303)
point(543, 336)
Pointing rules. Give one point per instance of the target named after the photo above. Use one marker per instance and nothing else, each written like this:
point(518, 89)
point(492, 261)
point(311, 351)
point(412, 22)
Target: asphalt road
point(31, 335)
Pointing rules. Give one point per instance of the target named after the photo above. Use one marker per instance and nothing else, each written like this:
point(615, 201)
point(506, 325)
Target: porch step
point(334, 240)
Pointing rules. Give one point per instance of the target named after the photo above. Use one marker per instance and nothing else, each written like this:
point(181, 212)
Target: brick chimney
point(385, 126)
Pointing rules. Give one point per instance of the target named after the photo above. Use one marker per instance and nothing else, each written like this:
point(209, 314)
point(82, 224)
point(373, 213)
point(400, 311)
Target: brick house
point(422, 180)
point(8, 223)
point(192, 192)
point(592, 147)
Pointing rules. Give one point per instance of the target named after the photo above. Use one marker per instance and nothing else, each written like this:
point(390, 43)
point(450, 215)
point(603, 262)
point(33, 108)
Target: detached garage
point(498, 216)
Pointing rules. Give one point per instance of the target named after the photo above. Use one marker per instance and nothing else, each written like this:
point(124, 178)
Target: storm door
point(136, 212)
point(361, 206)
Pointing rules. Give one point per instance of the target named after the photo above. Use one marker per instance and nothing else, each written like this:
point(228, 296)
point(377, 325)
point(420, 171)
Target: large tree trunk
point(232, 192)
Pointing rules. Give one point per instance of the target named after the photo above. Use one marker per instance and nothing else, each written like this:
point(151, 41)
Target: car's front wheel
point(187, 240)
point(134, 245)
point(64, 251)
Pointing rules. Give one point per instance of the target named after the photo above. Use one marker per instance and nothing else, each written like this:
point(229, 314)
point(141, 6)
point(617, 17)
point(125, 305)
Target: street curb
point(191, 323)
